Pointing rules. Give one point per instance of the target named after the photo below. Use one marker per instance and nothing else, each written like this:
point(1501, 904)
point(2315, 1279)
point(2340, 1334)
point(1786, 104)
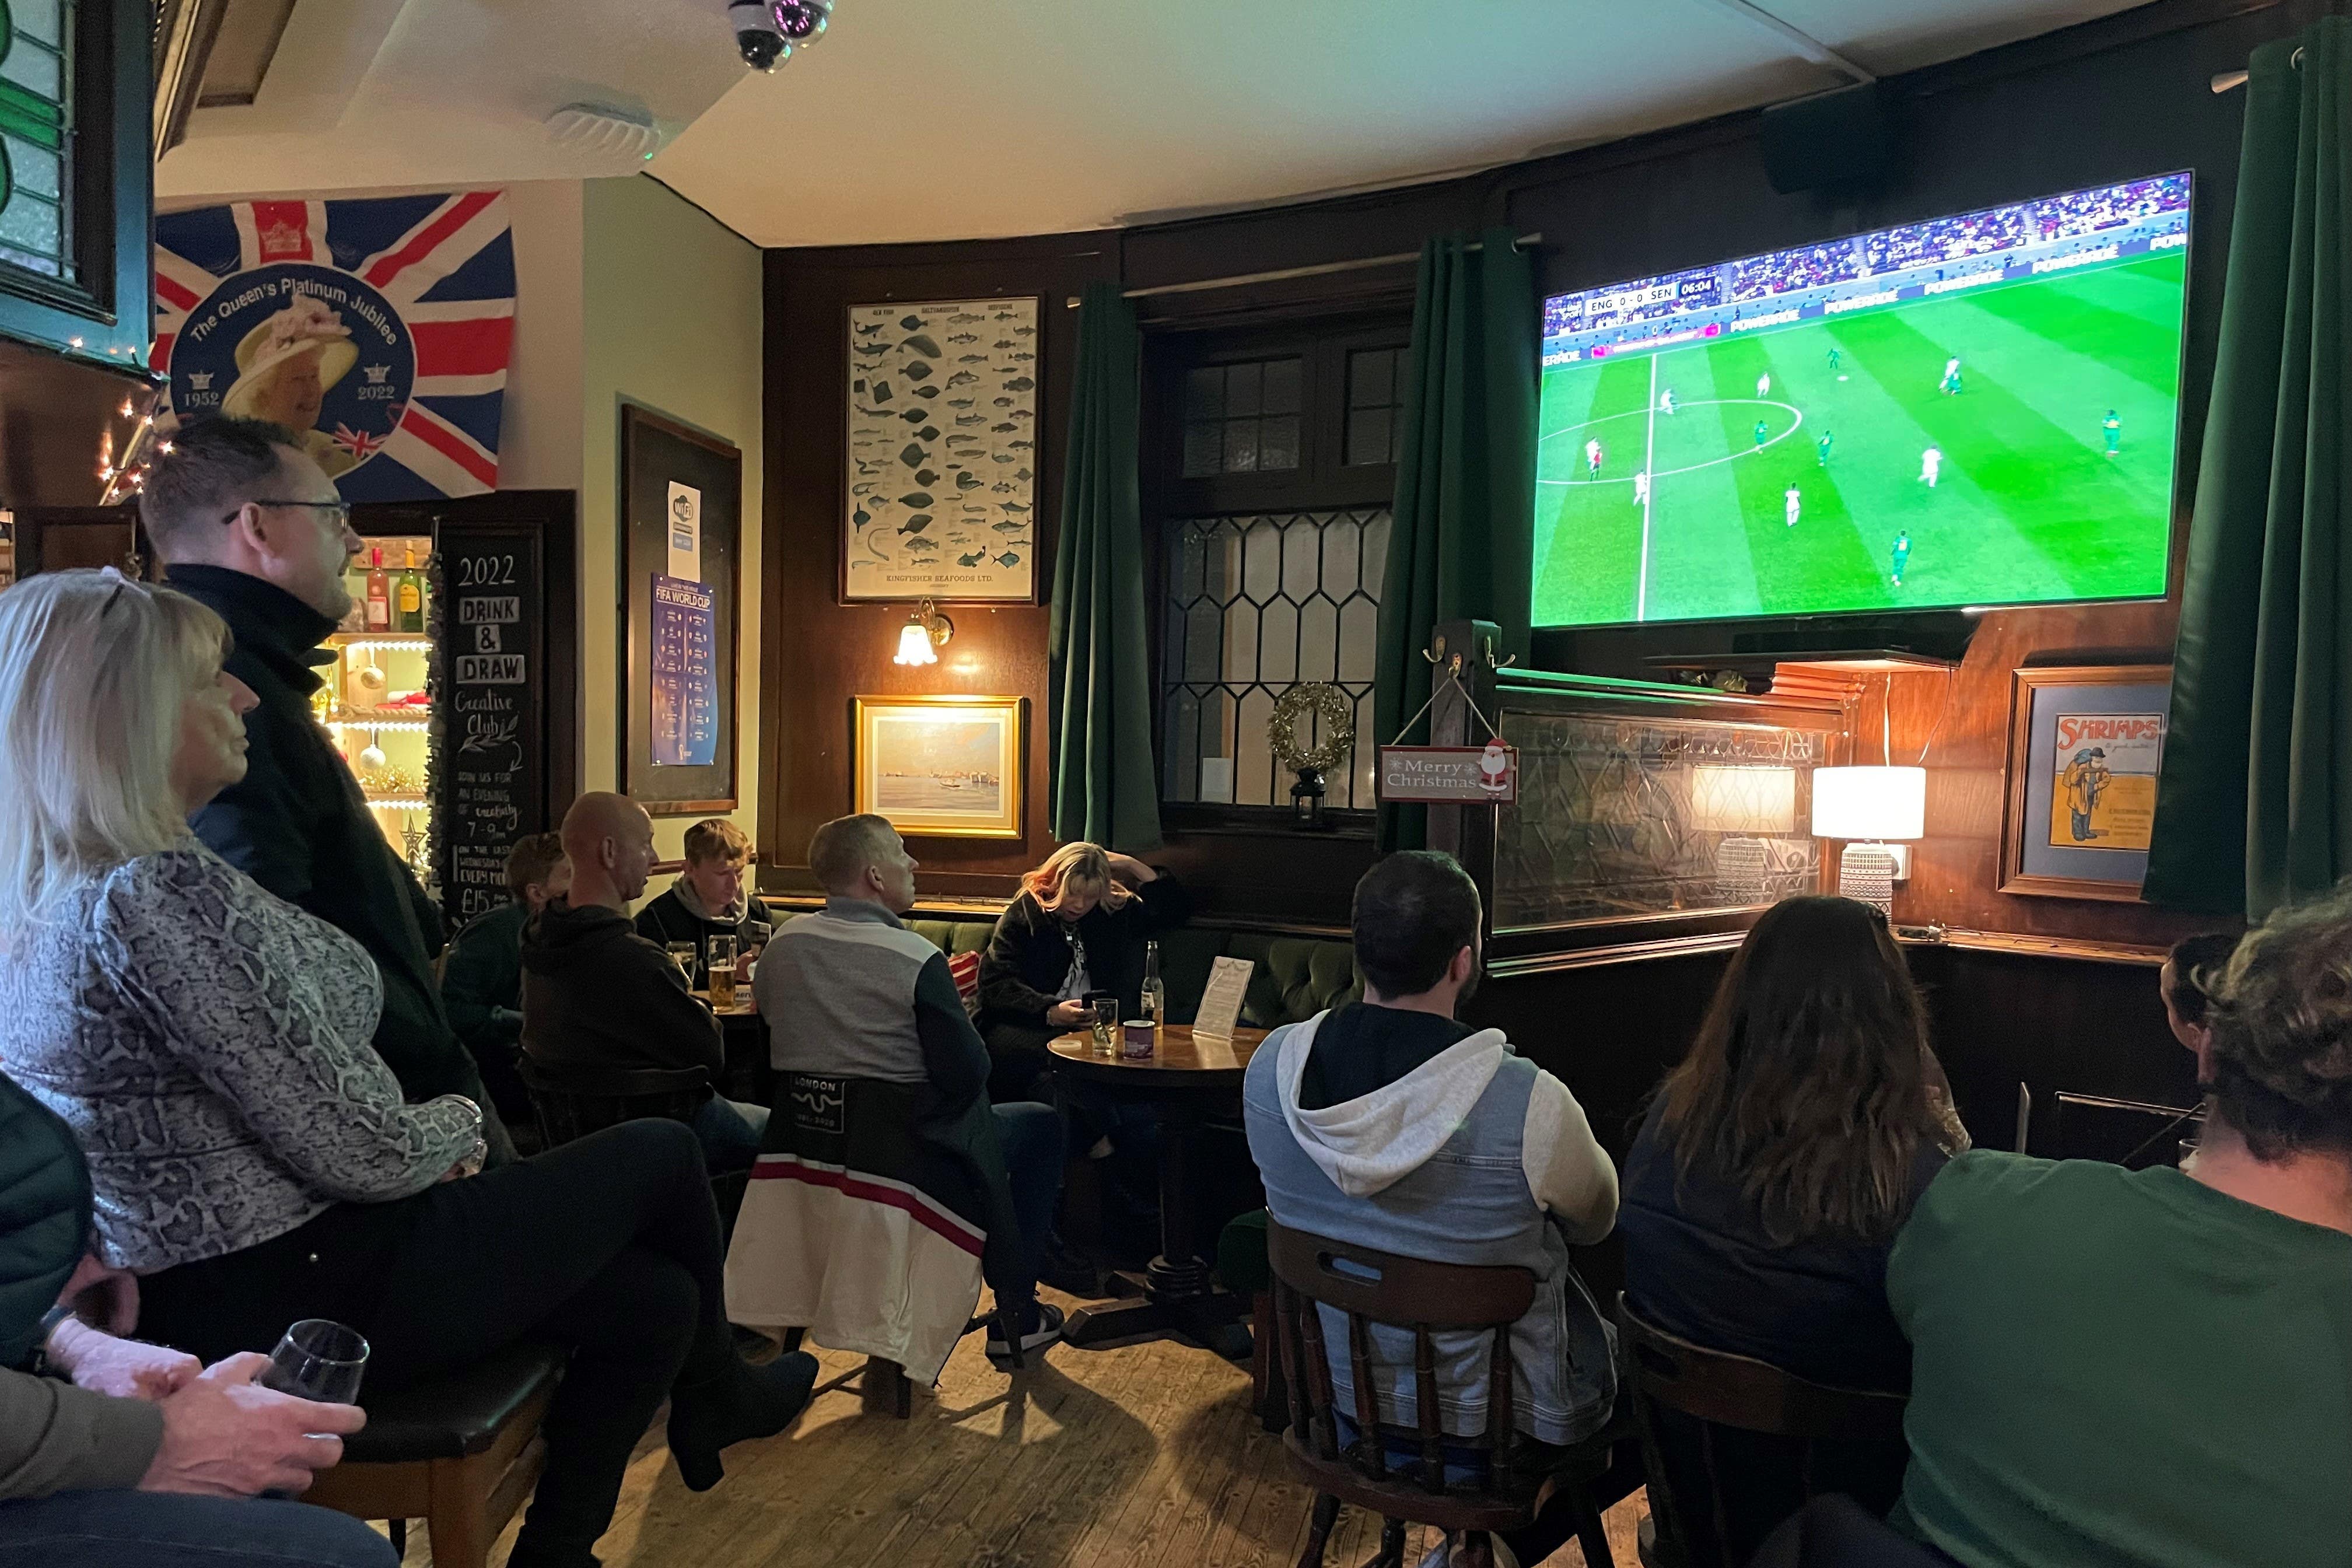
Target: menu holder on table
point(1221, 1000)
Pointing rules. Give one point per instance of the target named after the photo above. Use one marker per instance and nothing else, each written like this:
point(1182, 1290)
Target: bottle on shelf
point(1155, 991)
point(379, 592)
point(408, 595)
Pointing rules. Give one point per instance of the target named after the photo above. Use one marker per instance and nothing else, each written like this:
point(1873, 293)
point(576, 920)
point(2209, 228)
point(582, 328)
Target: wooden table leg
point(1179, 1295)
point(886, 1390)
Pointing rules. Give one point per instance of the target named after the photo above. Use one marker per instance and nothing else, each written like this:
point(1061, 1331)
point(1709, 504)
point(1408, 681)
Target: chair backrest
point(1369, 1287)
point(1716, 1496)
point(575, 1102)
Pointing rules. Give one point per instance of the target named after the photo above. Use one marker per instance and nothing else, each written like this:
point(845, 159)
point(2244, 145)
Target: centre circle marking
point(1590, 424)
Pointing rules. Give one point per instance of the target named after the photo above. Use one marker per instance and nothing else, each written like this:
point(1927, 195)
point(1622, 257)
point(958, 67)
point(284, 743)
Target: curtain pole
point(1282, 274)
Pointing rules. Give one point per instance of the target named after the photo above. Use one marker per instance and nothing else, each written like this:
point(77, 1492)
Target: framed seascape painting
point(940, 767)
point(2085, 744)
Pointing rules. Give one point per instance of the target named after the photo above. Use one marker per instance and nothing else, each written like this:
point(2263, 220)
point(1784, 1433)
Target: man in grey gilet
point(1386, 1123)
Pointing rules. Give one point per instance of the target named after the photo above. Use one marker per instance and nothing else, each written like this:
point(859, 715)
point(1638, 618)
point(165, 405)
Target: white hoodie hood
point(1367, 1144)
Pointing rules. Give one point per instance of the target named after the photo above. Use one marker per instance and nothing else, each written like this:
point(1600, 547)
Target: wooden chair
point(883, 1387)
point(460, 1452)
point(575, 1102)
point(1368, 1288)
point(1716, 1494)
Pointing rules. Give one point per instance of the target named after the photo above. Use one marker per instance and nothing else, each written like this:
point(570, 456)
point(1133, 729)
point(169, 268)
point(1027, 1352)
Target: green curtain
point(1105, 786)
point(1462, 536)
point(2254, 806)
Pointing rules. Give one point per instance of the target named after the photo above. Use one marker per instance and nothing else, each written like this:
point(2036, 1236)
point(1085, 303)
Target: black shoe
point(1067, 1270)
point(743, 1402)
point(1048, 1332)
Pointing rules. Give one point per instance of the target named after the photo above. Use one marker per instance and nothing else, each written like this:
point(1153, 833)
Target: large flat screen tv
point(1978, 410)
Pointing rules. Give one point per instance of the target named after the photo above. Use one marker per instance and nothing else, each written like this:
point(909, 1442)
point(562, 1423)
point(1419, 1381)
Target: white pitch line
point(1649, 455)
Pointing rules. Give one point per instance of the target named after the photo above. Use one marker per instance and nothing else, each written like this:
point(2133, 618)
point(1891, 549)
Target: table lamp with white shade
point(1870, 807)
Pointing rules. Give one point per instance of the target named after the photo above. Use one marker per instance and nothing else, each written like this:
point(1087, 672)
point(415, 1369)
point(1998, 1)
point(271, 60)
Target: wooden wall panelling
point(1962, 721)
point(818, 654)
point(1610, 1031)
point(2109, 100)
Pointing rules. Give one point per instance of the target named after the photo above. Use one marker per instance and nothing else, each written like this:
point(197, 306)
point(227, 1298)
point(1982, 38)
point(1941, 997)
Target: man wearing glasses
point(248, 523)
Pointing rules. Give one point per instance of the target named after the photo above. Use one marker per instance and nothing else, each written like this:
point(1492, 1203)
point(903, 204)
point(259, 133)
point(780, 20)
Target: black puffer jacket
point(1029, 956)
point(297, 825)
point(45, 1208)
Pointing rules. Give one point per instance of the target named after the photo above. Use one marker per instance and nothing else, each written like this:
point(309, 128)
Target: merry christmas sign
point(379, 330)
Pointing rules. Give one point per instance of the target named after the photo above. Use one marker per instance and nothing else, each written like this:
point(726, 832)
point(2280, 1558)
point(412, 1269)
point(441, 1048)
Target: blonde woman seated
point(252, 1160)
point(1079, 926)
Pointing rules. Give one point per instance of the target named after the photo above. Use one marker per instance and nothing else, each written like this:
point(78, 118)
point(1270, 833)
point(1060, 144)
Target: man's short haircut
point(204, 473)
point(1413, 911)
point(531, 861)
point(842, 849)
point(716, 839)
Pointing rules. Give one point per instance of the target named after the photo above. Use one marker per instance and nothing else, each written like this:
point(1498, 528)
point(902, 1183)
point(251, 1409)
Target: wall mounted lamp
point(925, 631)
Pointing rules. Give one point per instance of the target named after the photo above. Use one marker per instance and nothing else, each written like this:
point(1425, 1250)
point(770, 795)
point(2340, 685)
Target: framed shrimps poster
point(2086, 744)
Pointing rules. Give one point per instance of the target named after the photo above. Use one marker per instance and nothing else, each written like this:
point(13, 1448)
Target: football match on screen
point(1975, 410)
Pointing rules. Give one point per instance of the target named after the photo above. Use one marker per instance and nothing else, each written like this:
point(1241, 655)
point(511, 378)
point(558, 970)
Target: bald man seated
point(597, 997)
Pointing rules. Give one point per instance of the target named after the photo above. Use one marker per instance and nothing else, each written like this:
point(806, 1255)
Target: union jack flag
point(358, 443)
point(398, 359)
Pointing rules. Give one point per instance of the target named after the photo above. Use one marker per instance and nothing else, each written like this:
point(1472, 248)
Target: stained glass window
point(36, 146)
point(1255, 605)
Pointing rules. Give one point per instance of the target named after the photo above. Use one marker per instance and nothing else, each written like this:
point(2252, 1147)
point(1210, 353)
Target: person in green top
point(481, 976)
point(2153, 1369)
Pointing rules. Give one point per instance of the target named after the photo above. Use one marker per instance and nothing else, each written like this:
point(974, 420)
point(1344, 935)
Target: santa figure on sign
point(1494, 769)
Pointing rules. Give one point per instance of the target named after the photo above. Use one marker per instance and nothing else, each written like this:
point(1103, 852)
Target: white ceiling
point(927, 119)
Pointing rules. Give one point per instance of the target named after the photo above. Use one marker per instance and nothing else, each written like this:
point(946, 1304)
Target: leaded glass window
point(1375, 405)
point(36, 146)
point(1253, 605)
point(1242, 418)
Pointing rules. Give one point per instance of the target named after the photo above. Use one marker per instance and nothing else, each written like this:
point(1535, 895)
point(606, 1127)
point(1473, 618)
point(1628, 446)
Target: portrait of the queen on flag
point(377, 330)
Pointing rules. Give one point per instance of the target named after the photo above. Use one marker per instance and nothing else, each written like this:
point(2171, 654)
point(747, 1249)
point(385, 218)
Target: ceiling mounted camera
point(768, 31)
point(759, 37)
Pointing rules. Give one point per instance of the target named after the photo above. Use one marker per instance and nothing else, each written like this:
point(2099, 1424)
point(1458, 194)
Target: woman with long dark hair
point(1778, 1161)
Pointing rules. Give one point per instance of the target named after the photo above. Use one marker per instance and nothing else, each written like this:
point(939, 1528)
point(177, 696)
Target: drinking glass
point(722, 972)
point(1104, 1021)
point(683, 954)
point(317, 1359)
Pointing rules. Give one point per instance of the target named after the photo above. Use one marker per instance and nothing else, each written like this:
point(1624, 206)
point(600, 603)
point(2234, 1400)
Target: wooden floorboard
point(1138, 1457)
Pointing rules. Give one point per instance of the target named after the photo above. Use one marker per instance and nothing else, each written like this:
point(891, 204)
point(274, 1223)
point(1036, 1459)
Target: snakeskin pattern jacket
point(208, 1044)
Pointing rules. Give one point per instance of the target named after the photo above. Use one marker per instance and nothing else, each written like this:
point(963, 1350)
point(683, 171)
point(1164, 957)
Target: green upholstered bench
point(1295, 978)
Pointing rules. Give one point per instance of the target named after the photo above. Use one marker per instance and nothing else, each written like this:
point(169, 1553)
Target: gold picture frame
point(2085, 746)
point(940, 767)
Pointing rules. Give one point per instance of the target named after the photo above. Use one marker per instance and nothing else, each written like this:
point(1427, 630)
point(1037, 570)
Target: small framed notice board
point(681, 562)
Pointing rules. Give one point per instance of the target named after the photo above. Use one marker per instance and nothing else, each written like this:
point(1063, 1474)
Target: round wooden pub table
point(1189, 1082)
point(743, 1041)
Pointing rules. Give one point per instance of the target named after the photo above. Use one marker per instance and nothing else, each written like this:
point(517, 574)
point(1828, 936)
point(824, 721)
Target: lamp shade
point(914, 646)
point(1743, 800)
point(1870, 802)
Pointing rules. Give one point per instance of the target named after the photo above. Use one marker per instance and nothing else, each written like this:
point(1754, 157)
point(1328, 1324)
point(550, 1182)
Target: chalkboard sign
point(489, 708)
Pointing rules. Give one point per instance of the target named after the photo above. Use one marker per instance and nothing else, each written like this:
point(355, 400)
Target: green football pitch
point(2026, 506)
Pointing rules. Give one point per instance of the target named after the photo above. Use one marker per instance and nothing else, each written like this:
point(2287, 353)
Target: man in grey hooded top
point(1387, 1124)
